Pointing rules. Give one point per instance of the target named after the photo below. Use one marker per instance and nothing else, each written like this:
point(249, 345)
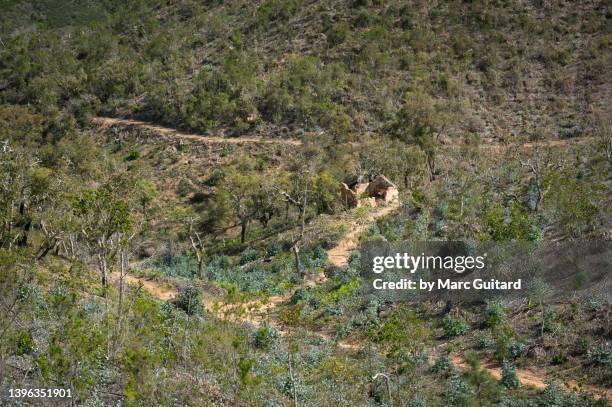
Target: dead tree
point(298, 199)
point(536, 166)
point(198, 247)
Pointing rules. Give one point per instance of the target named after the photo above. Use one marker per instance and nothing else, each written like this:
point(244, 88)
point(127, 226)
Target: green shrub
point(495, 314)
point(364, 18)
point(361, 3)
point(24, 343)
point(215, 178)
point(515, 349)
point(339, 33)
point(183, 188)
point(602, 355)
point(593, 304)
point(458, 391)
point(265, 337)
point(189, 300)
point(442, 365)
point(274, 249)
point(454, 326)
point(555, 396)
point(132, 155)
point(559, 358)
point(509, 378)
point(248, 256)
point(551, 322)
point(484, 341)
point(570, 130)
point(172, 265)
point(198, 197)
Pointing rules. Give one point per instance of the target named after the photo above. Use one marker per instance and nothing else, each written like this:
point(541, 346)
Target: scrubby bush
point(265, 337)
point(507, 347)
point(515, 349)
point(372, 306)
point(189, 300)
point(593, 304)
point(248, 256)
point(132, 155)
point(552, 324)
point(495, 314)
point(484, 341)
point(274, 248)
point(316, 259)
point(454, 326)
point(509, 378)
point(338, 33)
point(555, 396)
point(215, 178)
point(559, 358)
point(602, 355)
point(442, 365)
point(184, 188)
point(570, 130)
point(173, 266)
point(458, 392)
point(24, 343)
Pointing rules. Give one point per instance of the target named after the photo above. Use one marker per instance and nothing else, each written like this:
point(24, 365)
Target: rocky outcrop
point(383, 189)
point(349, 197)
point(380, 189)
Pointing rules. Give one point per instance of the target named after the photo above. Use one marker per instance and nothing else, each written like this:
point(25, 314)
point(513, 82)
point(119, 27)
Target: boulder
point(349, 197)
point(360, 188)
point(383, 189)
point(146, 251)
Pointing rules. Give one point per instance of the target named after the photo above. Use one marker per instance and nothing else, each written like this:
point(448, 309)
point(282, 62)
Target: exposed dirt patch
point(154, 288)
point(533, 377)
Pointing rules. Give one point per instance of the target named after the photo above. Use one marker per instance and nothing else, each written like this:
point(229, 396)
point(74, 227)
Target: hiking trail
point(169, 132)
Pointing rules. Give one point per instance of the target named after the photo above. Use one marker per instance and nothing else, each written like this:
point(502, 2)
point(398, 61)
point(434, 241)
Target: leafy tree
point(422, 120)
point(105, 216)
point(241, 189)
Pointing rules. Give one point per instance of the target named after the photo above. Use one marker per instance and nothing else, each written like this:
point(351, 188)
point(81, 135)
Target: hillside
point(530, 70)
point(191, 193)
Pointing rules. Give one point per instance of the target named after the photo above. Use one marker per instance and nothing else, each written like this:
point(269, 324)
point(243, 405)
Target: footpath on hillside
point(259, 312)
point(169, 132)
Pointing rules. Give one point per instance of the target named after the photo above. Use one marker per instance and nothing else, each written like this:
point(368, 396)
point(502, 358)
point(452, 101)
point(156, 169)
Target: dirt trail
point(257, 312)
point(166, 131)
point(527, 377)
point(338, 255)
point(533, 377)
point(501, 147)
point(153, 287)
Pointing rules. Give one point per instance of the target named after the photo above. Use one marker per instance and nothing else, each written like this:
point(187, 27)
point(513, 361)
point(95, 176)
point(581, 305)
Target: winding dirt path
point(258, 312)
point(499, 148)
point(339, 254)
point(534, 377)
point(166, 131)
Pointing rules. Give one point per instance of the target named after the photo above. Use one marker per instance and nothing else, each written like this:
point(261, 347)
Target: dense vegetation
point(437, 97)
